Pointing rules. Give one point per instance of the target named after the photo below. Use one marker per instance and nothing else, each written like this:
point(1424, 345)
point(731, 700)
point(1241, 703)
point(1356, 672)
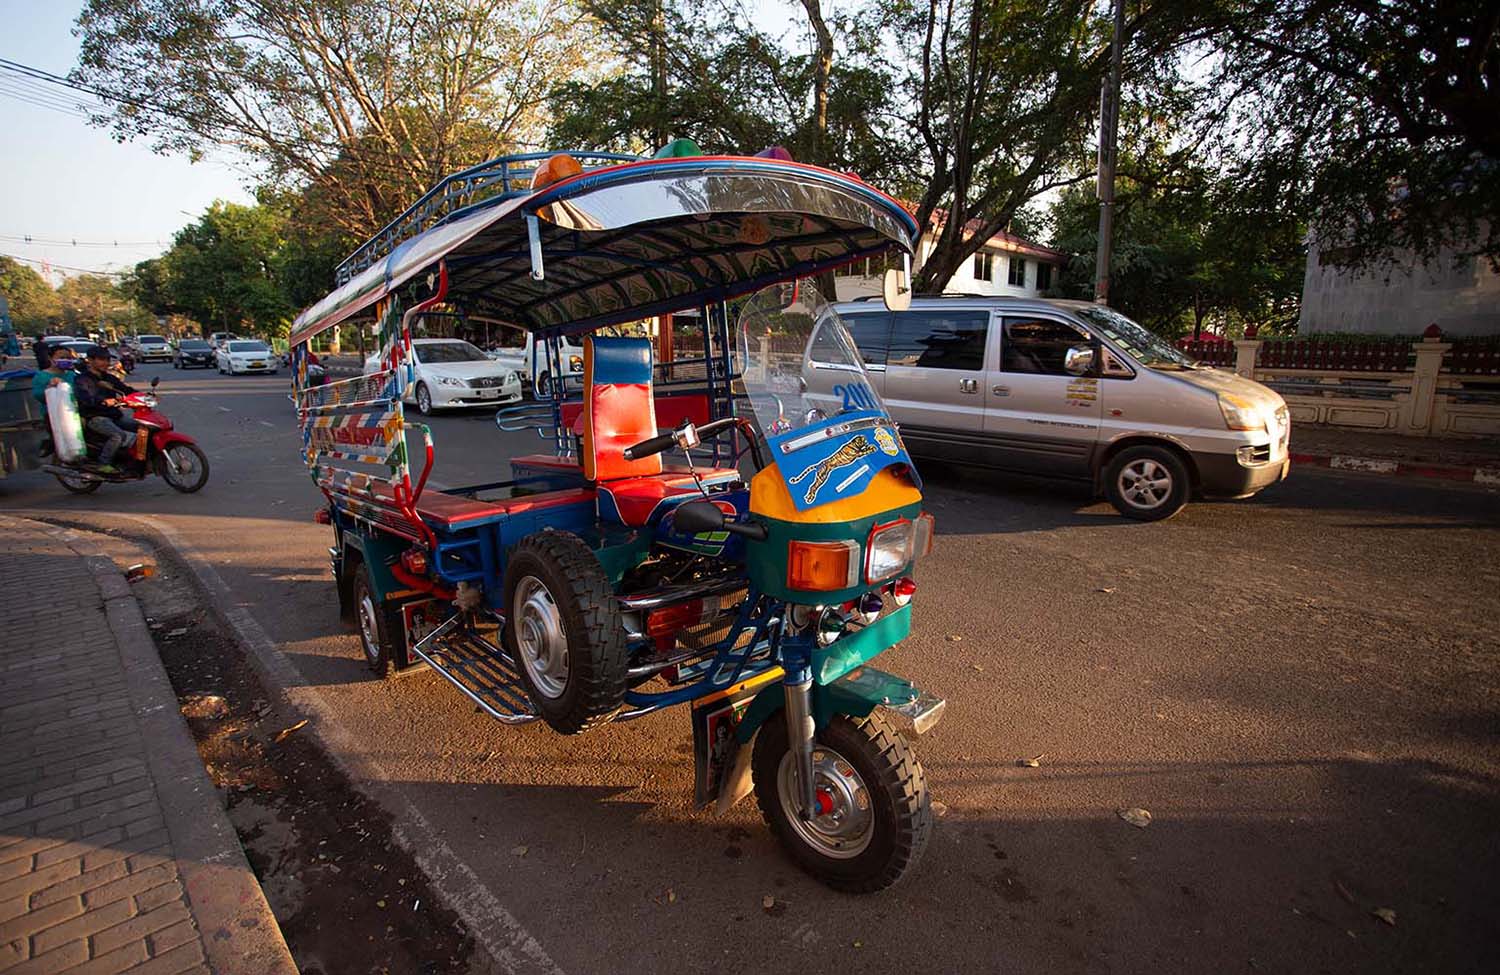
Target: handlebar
point(663, 441)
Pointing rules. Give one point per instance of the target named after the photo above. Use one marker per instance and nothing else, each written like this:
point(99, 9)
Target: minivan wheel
point(1146, 483)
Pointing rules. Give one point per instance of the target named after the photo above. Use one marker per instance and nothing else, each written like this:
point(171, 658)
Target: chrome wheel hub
point(539, 634)
point(843, 822)
point(368, 630)
point(1145, 483)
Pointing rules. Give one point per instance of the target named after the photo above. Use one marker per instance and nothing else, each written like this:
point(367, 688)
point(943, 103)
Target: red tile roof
point(1004, 240)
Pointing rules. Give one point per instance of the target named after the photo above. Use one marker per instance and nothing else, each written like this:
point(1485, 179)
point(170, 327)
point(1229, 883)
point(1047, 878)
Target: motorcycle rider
point(99, 393)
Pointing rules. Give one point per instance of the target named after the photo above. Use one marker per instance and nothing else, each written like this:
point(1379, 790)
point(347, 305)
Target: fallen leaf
point(180, 631)
point(1106, 589)
point(380, 903)
point(518, 851)
point(768, 902)
point(955, 638)
point(859, 944)
point(939, 809)
point(671, 896)
point(1036, 763)
point(1386, 914)
point(1139, 818)
point(285, 733)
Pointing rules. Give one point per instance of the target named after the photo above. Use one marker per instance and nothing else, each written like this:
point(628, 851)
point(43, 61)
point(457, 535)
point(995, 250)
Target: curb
point(238, 930)
point(511, 948)
point(1399, 468)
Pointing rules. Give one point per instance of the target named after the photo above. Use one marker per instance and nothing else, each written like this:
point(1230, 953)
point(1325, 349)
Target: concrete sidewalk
point(115, 854)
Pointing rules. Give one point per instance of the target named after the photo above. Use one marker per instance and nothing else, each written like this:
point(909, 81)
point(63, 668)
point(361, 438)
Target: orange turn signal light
point(821, 566)
point(556, 169)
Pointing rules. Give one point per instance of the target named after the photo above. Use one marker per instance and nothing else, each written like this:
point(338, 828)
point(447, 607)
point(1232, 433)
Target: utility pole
point(1109, 130)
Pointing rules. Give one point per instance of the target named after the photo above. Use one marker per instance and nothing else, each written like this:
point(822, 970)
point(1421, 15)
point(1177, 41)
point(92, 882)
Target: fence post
point(1245, 353)
point(1424, 385)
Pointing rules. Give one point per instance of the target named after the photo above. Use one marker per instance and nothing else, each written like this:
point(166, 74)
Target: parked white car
point(452, 372)
point(246, 355)
point(520, 350)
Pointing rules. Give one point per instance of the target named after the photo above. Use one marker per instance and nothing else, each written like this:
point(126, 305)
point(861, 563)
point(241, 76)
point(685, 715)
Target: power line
point(74, 242)
point(65, 267)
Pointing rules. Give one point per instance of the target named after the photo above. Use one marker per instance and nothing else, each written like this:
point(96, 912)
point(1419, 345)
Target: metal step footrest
point(482, 671)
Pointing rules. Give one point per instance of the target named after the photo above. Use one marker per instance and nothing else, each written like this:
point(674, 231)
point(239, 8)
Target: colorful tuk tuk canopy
point(625, 242)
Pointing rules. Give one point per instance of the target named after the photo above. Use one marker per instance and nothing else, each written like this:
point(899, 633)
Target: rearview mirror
point(697, 517)
point(1079, 360)
point(896, 290)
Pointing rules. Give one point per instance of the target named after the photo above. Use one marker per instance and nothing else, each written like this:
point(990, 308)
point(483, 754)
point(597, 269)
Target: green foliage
point(1377, 122)
point(222, 270)
point(1189, 251)
point(34, 306)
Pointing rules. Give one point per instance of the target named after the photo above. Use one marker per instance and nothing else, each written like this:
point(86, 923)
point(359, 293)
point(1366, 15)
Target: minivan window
point(936, 339)
point(1139, 342)
point(1038, 345)
point(871, 332)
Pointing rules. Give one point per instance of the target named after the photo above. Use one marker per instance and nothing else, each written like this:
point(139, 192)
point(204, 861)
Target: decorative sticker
point(837, 459)
point(1083, 393)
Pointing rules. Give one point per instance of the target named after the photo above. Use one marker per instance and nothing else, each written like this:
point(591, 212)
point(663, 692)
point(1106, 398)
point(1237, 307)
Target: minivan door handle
point(968, 385)
point(1000, 390)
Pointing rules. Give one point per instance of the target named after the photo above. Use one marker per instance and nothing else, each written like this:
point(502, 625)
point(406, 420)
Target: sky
point(63, 180)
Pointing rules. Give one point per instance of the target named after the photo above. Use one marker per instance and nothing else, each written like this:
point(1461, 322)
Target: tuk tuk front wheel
point(79, 485)
point(874, 814)
point(378, 627)
point(564, 632)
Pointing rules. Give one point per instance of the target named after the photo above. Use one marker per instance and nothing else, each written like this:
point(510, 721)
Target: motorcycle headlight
point(449, 381)
point(1240, 414)
point(888, 550)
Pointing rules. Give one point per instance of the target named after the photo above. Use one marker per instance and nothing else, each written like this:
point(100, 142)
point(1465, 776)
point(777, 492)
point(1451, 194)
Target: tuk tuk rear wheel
point(564, 632)
point(877, 815)
point(378, 629)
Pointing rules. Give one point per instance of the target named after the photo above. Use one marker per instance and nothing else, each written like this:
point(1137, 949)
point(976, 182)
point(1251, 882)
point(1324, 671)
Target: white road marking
point(223, 409)
point(267, 423)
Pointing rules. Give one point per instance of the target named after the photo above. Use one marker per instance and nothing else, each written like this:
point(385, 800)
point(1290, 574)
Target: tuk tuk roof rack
point(490, 182)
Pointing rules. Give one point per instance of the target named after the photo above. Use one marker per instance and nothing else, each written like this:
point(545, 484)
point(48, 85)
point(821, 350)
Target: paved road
point(1302, 689)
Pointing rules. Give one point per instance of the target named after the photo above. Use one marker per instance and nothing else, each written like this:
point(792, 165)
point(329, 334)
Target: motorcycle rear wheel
point(192, 467)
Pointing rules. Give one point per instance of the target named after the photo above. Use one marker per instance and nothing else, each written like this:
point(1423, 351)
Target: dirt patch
point(348, 898)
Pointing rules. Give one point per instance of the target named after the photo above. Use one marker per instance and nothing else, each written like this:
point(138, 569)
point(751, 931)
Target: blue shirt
point(43, 379)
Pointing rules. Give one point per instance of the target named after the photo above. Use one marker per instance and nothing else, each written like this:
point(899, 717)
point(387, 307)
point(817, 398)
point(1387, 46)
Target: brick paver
point(88, 880)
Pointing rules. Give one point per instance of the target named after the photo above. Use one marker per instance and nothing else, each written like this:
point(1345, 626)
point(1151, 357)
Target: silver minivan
point(1069, 389)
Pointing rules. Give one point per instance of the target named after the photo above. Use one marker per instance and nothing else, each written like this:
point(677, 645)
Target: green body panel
point(619, 550)
point(378, 552)
point(766, 561)
point(856, 695)
point(847, 652)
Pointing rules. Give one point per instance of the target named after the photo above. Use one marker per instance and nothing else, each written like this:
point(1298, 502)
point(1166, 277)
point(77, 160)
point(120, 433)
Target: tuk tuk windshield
point(801, 368)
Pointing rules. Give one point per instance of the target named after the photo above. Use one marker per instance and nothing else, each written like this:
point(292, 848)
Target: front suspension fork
point(799, 736)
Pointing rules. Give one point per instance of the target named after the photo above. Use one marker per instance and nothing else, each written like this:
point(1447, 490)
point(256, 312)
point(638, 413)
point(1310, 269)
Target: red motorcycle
point(174, 457)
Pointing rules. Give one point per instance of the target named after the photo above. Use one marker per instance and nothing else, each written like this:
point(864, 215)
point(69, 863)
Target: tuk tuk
point(752, 577)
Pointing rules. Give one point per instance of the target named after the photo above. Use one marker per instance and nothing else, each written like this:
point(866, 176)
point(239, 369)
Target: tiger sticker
point(857, 447)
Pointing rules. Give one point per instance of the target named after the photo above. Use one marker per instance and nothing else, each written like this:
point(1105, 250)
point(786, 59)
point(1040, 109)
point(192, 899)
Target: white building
point(1006, 264)
point(1462, 297)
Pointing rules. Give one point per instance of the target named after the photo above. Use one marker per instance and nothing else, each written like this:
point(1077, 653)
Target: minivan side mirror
point(1079, 360)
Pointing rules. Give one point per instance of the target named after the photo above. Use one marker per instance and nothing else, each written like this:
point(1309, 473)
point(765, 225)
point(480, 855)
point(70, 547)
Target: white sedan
point(452, 372)
point(245, 355)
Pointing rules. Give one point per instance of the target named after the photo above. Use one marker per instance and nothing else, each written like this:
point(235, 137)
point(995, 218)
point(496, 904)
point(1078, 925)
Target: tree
point(369, 101)
point(1190, 248)
point(89, 300)
point(1007, 92)
point(222, 269)
point(1375, 118)
point(695, 70)
point(147, 285)
point(34, 306)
